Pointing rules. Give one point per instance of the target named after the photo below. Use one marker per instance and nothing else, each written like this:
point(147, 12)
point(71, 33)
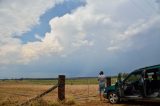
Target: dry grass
point(13, 94)
point(76, 95)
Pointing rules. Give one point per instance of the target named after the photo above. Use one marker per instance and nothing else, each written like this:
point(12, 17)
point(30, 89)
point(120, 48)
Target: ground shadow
point(140, 103)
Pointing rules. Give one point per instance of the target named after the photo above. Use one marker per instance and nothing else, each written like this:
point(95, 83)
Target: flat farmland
point(13, 93)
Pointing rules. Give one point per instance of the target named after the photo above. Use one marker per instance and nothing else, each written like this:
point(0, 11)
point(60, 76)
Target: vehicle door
point(132, 85)
point(152, 83)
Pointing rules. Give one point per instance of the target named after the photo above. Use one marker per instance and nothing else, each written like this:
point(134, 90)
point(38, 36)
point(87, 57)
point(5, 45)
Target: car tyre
point(113, 97)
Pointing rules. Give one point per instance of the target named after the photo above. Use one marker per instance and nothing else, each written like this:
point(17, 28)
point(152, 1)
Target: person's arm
point(99, 77)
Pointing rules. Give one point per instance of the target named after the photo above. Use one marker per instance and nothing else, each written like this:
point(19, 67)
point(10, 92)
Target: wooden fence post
point(108, 81)
point(61, 87)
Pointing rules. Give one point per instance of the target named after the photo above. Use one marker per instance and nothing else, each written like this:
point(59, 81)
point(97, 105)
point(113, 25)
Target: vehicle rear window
point(153, 74)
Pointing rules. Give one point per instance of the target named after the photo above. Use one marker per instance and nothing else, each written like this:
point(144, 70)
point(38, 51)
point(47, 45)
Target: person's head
point(101, 73)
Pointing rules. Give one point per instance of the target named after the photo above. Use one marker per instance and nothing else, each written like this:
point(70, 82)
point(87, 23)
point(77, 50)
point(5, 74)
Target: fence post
point(108, 81)
point(61, 87)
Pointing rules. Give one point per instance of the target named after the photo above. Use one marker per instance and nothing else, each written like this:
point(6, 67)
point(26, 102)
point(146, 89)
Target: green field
point(70, 81)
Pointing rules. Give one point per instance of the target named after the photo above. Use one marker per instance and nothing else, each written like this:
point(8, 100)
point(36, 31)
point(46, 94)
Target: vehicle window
point(150, 75)
point(133, 78)
point(153, 74)
point(122, 76)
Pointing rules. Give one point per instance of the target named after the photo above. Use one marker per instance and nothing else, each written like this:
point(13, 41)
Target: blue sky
point(77, 38)
point(58, 10)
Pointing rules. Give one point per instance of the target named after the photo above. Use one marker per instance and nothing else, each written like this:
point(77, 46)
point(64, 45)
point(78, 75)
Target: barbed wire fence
point(61, 91)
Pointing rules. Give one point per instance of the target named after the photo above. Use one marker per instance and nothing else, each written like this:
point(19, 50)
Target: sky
point(77, 38)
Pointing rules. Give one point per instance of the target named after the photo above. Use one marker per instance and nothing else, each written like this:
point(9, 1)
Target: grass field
point(69, 81)
point(79, 92)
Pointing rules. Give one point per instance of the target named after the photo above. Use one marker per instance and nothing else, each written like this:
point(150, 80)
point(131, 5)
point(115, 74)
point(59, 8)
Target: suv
point(141, 84)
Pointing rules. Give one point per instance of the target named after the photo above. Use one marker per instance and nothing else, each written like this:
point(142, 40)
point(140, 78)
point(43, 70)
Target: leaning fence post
point(108, 81)
point(61, 87)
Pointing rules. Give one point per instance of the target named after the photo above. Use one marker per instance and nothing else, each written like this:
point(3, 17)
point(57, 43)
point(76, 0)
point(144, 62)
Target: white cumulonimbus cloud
point(18, 17)
point(104, 23)
point(86, 26)
point(124, 38)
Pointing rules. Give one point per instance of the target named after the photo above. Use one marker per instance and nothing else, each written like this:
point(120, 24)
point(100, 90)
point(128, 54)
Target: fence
point(61, 91)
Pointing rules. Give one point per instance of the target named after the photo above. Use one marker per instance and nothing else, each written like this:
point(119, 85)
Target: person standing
point(101, 82)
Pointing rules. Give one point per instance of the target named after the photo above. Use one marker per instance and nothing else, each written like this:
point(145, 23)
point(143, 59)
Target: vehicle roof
point(142, 69)
point(147, 68)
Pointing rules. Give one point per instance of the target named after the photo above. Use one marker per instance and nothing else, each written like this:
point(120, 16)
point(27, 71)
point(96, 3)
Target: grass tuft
point(8, 101)
point(70, 101)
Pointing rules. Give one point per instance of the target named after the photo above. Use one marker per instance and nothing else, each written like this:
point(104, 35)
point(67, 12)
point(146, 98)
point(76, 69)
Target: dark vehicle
point(141, 84)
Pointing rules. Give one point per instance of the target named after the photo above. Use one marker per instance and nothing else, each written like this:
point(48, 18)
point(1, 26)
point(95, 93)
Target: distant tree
point(21, 79)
